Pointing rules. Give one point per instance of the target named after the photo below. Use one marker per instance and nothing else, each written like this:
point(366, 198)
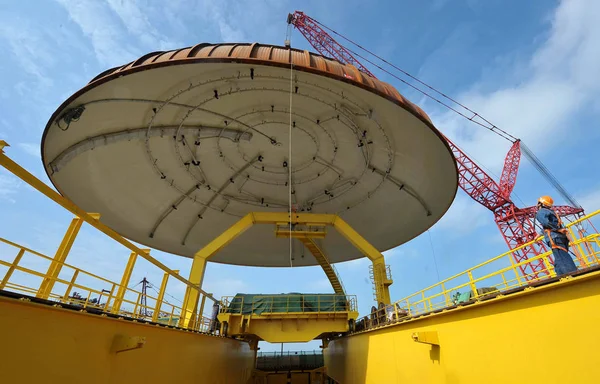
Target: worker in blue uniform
point(555, 235)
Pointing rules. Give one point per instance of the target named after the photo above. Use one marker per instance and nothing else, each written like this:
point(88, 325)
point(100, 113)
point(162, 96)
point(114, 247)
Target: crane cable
point(537, 163)
point(289, 165)
point(486, 124)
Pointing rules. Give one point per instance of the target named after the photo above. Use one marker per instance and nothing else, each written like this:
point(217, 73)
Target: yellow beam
point(380, 278)
point(27, 177)
point(286, 330)
point(382, 282)
point(190, 301)
point(356, 239)
point(225, 238)
point(300, 234)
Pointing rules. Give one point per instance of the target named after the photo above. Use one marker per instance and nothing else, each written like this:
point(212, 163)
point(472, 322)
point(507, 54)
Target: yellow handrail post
point(472, 284)
point(446, 298)
point(110, 296)
point(125, 281)
point(59, 258)
point(137, 304)
point(171, 315)
point(578, 249)
point(504, 281)
point(161, 296)
point(201, 310)
point(12, 268)
point(70, 286)
point(87, 300)
point(550, 270)
point(512, 263)
point(589, 247)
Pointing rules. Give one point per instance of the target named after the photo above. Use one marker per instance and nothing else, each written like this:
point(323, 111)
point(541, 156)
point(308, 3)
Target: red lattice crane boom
point(517, 225)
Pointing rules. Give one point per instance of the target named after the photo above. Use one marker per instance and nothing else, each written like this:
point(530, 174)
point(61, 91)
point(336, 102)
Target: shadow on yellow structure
point(538, 335)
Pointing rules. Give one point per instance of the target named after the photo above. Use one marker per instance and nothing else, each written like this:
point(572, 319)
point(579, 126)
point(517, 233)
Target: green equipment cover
point(246, 304)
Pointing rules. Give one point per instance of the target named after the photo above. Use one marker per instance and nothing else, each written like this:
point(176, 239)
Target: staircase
point(329, 269)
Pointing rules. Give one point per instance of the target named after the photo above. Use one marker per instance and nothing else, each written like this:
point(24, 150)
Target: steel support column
point(382, 281)
point(190, 300)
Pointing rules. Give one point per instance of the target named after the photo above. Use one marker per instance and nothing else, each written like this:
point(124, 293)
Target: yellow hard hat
point(546, 201)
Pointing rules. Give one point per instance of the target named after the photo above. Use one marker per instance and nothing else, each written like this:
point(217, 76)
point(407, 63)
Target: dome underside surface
point(173, 153)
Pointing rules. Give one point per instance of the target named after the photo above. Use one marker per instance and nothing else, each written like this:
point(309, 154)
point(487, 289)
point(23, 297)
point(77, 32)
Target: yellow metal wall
point(42, 344)
point(541, 336)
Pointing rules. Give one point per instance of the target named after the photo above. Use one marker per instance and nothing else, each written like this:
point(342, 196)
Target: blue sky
point(530, 67)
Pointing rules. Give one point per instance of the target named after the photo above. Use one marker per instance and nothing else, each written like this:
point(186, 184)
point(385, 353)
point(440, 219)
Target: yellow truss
point(381, 279)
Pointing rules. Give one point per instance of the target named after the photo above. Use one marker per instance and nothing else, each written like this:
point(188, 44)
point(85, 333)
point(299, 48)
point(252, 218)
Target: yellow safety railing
point(18, 278)
point(293, 303)
point(82, 290)
point(497, 275)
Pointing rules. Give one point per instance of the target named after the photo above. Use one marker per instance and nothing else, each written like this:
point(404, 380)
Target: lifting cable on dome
point(468, 113)
point(290, 154)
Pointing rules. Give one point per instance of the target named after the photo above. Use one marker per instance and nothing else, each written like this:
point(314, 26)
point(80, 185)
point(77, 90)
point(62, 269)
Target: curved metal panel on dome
point(176, 146)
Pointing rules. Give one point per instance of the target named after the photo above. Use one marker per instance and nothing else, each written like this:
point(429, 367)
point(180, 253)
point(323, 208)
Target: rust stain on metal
point(264, 54)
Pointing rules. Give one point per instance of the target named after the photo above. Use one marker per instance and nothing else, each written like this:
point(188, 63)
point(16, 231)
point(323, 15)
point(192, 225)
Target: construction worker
point(555, 235)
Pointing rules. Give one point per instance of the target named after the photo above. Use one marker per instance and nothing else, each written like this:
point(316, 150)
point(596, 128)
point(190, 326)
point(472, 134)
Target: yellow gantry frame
point(381, 281)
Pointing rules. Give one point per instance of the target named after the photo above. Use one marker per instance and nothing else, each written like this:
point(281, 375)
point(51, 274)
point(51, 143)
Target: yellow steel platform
point(288, 318)
point(46, 344)
point(541, 335)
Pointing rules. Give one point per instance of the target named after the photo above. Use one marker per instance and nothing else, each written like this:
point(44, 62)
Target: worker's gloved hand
point(563, 231)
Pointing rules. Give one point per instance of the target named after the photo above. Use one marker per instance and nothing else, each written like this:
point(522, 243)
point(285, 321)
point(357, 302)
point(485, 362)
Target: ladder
point(328, 268)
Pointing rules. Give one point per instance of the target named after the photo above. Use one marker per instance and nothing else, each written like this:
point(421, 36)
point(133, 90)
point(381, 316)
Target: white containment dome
point(175, 147)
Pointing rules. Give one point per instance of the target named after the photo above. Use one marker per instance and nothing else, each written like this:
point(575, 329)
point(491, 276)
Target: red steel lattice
point(517, 225)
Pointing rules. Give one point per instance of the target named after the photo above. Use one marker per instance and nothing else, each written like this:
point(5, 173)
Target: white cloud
point(137, 23)
point(224, 286)
point(27, 44)
point(9, 185)
point(321, 285)
point(463, 217)
point(360, 264)
point(560, 79)
point(591, 201)
point(31, 149)
point(98, 23)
